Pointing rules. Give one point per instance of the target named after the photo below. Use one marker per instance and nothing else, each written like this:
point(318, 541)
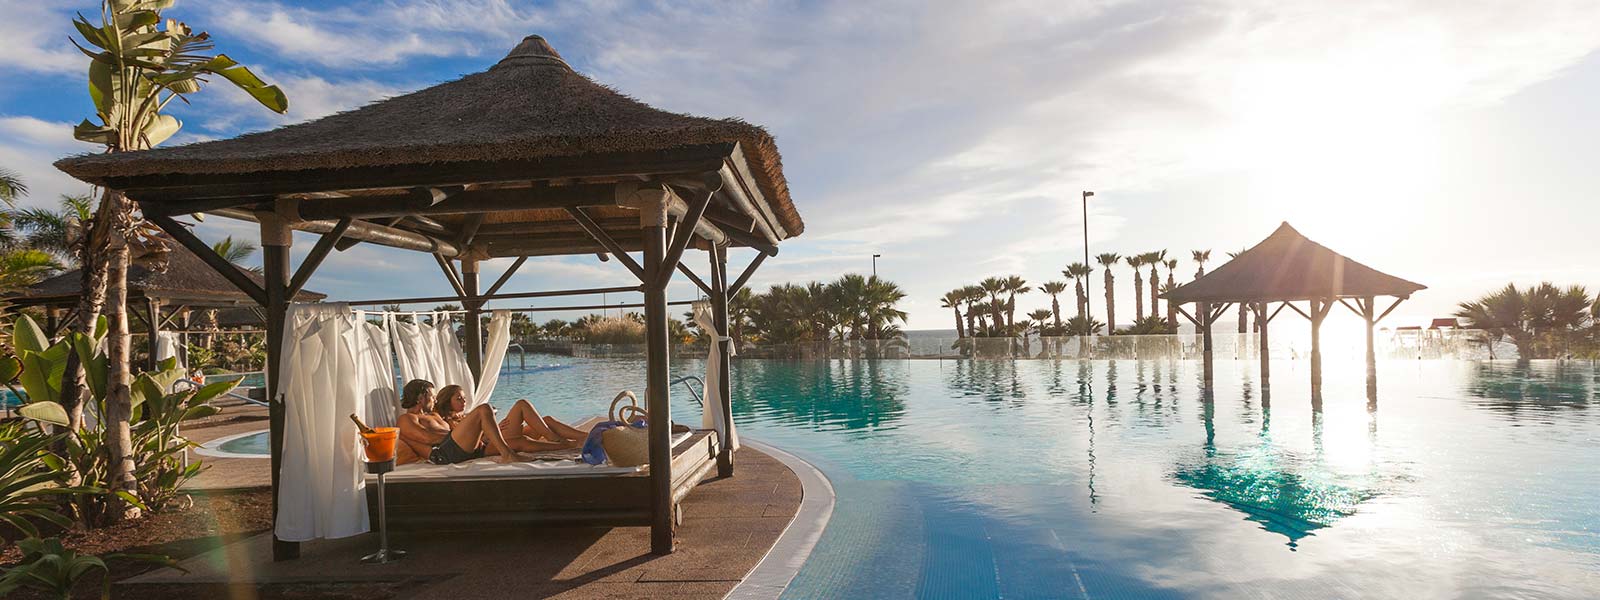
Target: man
point(425, 436)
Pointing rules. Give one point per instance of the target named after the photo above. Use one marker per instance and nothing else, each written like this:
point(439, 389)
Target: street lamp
point(1087, 305)
point(875, 264)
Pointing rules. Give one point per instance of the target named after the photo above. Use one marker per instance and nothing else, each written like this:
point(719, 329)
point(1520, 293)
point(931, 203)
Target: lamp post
point(1088, 307)
point(875, 265)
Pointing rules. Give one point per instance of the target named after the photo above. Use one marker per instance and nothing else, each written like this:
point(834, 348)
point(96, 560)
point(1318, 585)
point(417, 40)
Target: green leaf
point(27, 336)
point(101, 326)
point(48, 412)
point(10, 368)
point(89, 32)
point(101, 86)
point(41, 374)
point(131, 499)
point(95, 365)
point(94, 134)
point(160, 128)
point(210, 391)
point(268, 95)
point(145, 391)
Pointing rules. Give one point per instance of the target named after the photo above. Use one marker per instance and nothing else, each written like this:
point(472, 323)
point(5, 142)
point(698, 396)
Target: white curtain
point(334, 365)
point(431, 352)
point(495, 355)
point(383, 401)
point(168, 344)
point(711, 416)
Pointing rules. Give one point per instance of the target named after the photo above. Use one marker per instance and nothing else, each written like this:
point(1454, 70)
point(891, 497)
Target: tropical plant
point(28, 487)
point(1084, 325)
point(1544, 321)
point(1136, 261)
point(1041, 321)
point(1148, 325)
point(1014, 285)
point(157, 414)
point(11, 187)
point(52, 231)
point(974, 296)
point(1155, 259)
point(1108, 260)
point(1172, 307)
point(22, 267)
point(48, 566)
point(993, 287)
point(1077, 272)
point(139, 64)
point(235, 251)
point(1200, 257)
point(953, 300)
point(1054, 289)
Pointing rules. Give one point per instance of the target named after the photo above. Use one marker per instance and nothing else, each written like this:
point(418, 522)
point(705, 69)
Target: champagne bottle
point(359, 424)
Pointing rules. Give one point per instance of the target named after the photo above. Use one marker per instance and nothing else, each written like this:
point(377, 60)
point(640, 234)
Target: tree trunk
point(959, 333)
point(1155, 284)
point(119, 404)
point(1111, 304)
point(1138, 296)
point(91, 255)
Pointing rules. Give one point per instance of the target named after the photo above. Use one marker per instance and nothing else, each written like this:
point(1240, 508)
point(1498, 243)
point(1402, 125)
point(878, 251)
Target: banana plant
point(141, 63)
point(39, 366)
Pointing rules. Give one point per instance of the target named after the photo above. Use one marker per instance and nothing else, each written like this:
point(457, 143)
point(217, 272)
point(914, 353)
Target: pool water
point(1046, 479)
point(255, 444)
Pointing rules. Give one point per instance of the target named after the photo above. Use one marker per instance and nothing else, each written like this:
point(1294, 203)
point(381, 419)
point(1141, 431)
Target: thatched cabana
point(528, 158)
point(160, 298)
point(1286, 268)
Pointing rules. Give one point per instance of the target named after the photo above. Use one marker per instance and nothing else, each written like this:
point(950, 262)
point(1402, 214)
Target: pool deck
point(229, 473)
point(729, 527)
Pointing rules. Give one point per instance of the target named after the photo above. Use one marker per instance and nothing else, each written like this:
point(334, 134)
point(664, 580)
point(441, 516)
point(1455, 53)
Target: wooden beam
point(694, 278)
point(469, 229)
point(1391, 308)
point(315, 258)
point(488, 297)
point(689, 222)
point(1297, 309)
point(738, 284)
point(174, 189)
point(470, 202)
point(1186, 315)
point(731, 221)
point(451, 276)
point(504, 277)
point(221, 265)
point(1274, 314)
point(605, 240)
point(366, 232)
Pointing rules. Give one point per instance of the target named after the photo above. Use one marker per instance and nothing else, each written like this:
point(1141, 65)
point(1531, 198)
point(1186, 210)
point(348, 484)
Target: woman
point(523, 429)
point(448, 442)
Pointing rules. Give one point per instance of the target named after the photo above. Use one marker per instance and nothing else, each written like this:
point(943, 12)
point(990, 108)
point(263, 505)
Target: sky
point(1450, 143)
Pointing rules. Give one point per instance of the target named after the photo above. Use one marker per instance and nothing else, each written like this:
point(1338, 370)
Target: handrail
point(685, 381)
point(522, 356)
point(230, 393)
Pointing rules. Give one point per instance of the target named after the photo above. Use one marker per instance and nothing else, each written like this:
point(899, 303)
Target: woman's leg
point(564, 430)
point(524, 420)
point(479, 426)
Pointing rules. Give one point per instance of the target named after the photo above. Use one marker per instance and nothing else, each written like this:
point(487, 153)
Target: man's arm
point(414, 428)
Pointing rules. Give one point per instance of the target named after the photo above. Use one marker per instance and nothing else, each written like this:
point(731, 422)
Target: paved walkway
point(729, 525)
point(229, 473)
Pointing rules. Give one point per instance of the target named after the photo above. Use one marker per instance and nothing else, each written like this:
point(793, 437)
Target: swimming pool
point(253, 444)
point(1046, 479)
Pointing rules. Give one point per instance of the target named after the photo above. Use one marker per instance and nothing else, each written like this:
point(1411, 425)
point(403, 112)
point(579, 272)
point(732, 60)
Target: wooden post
point(152, 309)
point(1209, 361)
point(275, 239)
point(1319, 310)
point(1369, 308)
point(719, 311)
point(1262, 320)
point(474, 328)
point(653, 226)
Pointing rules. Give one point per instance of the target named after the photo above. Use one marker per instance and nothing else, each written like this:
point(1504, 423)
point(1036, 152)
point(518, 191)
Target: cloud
point(36, 40)
point(28, 145)
point(374, 35)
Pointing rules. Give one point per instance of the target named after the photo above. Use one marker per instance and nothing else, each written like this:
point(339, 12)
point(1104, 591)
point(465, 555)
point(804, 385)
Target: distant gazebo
point(158, 298)
point(1286, 268)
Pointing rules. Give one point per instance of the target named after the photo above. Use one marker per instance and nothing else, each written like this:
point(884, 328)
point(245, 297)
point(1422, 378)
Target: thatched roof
point(1287, 266)
point(529, 106)
point(187, 280)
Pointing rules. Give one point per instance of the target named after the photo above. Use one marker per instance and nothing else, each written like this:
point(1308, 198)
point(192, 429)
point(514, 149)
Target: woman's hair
point(443, 401)
point(412, 393)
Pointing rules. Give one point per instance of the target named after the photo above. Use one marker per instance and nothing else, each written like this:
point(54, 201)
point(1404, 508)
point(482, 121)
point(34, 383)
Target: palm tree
point(1136, 261)
point(880, 301)
point(11, 187)
point(52, 230)
point(1054, 289)
point(1200, 257)
point(1172, 308)
point(972, 295)
point(1014, 285)
point(952, 300)
point(1041, 320)
point(1108, 260)
point(994, 286)
point(1155, 259)
point(22, 267)
point(235, 251)
point(1077, 271)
